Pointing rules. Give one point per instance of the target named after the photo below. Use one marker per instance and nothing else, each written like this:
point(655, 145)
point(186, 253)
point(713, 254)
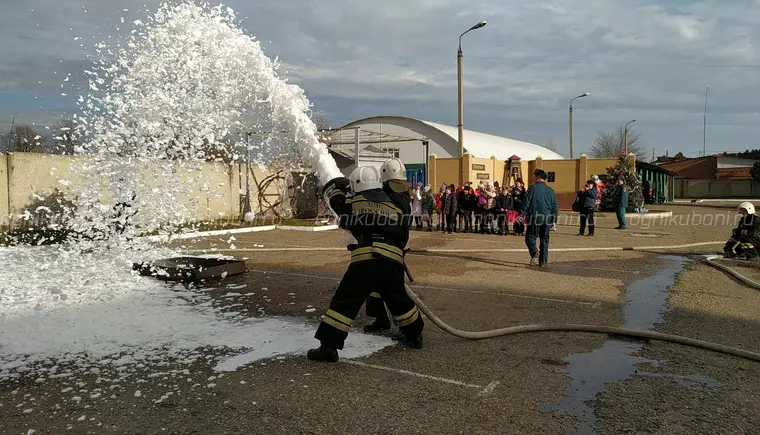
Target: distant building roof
point(699, 168)
point(734, 173)
point(478, 144)
point(486, 145)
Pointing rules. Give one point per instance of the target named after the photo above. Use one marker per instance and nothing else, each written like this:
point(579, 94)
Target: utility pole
point(704, 125)
point(356, 147)
point(460, 108)
point(625, 139)
point(571, 120)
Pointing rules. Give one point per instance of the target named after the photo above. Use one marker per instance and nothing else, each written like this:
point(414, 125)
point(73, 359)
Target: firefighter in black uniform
point(393, 176)
point(377, 263)
point(744, 243)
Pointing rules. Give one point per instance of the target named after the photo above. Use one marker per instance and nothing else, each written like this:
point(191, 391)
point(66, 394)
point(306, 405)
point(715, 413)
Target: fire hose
point(610, 330)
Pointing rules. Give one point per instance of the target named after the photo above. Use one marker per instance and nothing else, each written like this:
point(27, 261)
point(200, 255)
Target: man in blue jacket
point(620, 202)
point(540, 212)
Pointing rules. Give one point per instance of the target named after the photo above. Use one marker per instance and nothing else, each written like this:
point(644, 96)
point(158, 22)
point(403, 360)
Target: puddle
point(616, 361)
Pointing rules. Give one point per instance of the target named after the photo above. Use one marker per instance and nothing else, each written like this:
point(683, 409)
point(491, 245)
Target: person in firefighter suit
point(393, 176)
point(377, 263)
point(744, 243)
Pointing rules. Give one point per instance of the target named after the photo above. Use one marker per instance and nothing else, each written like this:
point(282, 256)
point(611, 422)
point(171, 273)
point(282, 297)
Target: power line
point(641, 64)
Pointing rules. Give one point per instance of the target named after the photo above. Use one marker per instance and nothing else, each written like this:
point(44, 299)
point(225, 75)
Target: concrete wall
point(569, 175)
point(740, 189)
point(4, 212)
point(213, 193)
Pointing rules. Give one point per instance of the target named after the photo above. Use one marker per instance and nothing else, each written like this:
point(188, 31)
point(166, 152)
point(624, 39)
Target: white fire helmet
point(747, 206)
point(365, 178)
point(393, 169)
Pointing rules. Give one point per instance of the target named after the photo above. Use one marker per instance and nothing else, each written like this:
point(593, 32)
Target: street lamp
point(625, 140)
point(704, 125)
point(460, 117)
point(571, 121)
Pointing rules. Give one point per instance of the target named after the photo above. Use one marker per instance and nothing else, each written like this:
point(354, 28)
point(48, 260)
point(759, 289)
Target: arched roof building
point(443, 140)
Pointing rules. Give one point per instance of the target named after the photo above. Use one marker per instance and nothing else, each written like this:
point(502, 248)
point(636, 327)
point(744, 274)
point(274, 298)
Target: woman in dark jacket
point(588, 195)
point(503, 204)
point(467, 204)
point(518, 196)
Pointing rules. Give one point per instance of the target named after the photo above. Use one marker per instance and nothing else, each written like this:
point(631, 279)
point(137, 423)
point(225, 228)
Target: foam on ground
point(129, 321)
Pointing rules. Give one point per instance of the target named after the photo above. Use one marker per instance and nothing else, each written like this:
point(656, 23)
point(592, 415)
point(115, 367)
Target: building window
point(550, 177)
point(392, 151)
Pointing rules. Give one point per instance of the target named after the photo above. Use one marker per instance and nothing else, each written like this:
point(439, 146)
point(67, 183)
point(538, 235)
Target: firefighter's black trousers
point(362, 278)
point(376, 308)
point(743, 245)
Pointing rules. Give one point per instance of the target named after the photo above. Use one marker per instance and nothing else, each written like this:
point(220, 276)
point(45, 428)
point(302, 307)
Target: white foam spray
point(179, 90)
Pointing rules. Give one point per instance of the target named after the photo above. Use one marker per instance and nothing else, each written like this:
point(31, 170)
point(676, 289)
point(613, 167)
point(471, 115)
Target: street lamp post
point(571, 121)
point(625, 135)
point(704, 125)
point(460, 115)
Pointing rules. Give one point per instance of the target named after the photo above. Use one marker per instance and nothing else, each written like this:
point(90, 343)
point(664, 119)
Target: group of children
point(493, 207)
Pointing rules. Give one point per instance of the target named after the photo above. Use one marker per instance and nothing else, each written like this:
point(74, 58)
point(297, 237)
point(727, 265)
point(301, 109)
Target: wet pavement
point(618, 359)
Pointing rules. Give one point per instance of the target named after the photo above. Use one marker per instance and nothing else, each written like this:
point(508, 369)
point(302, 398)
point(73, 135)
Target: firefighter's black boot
point(381, 324)
point(323, 353)
point(414, 343)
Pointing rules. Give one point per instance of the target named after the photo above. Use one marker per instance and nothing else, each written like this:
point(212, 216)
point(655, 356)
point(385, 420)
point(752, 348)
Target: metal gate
point(415, 175)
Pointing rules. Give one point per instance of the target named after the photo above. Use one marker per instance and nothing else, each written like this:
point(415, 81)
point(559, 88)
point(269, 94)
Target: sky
point(639, 59)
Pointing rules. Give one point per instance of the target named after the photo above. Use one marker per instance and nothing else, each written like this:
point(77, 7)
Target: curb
point(210, 233)
point(650, 215)
point(312, 229)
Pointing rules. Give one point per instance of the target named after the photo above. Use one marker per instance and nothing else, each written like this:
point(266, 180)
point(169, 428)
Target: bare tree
point(321, 120)
point(66, 138)
point(550, 145)
point(612, 144)
point(23, 139)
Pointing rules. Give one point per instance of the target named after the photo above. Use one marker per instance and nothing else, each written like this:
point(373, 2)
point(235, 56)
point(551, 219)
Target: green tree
point(632, 180)
point(755, 171)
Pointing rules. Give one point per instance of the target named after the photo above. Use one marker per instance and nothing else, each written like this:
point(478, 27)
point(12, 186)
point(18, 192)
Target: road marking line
point(419, 375)
point(565, 301)
point(489, 388)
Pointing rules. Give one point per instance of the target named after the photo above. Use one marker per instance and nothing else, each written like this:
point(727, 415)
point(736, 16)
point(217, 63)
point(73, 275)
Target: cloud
point(642, 59)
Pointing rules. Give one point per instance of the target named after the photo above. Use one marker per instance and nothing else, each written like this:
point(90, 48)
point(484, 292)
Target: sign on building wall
point(478, 167)
point(483, 176)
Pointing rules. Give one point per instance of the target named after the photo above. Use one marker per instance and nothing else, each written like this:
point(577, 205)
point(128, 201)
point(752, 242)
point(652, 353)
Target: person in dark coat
point(540, 211)
point(588, 194)
point(450, 209)
point(503, 204)
point(467, 203)
point(518, 196)
point(428, 206)
point(620, 202)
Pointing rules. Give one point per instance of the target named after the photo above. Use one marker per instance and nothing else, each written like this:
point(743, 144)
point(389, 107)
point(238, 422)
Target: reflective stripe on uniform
point(361, 257)
point(385, 250)
point(336, 324)
point(407, 318)
point(407, 248)
point(388, 251)
point(385, 206)
point(337, 320)
point(339, 317)
point(375, 295)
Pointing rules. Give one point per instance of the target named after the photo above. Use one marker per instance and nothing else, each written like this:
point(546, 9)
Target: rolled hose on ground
point(570, 327)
